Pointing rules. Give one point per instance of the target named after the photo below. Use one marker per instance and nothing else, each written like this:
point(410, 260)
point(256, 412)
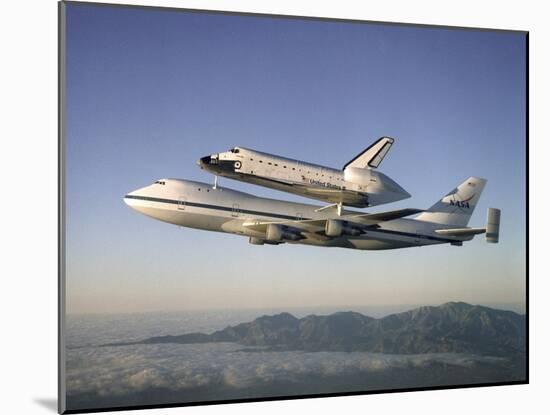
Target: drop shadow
point(48, 403)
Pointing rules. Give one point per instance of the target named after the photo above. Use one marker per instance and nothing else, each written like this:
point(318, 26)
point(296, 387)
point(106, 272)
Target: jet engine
point(278, 233)
point(335, 228)
point(253, 240)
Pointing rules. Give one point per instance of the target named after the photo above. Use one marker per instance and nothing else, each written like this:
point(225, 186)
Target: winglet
point(373, 155)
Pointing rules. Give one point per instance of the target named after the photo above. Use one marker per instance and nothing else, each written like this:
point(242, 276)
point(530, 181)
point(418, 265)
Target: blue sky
point(151, 91)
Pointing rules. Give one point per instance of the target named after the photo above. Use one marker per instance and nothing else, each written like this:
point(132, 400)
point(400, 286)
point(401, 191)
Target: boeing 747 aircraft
point(268, 221)
point(358, 184)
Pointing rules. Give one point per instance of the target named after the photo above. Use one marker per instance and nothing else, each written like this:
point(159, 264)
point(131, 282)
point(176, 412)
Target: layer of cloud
point(112, 371)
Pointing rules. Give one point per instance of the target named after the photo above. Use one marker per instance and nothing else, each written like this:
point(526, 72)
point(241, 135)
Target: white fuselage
point(198, 205)
point(351, 187)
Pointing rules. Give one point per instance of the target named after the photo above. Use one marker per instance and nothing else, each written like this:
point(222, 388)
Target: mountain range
point(452, 327)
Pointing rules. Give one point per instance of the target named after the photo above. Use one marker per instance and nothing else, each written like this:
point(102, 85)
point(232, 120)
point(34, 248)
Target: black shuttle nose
point(207, 161)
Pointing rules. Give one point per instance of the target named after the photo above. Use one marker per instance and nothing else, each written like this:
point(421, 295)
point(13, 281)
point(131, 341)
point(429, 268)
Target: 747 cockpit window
point(160, 182)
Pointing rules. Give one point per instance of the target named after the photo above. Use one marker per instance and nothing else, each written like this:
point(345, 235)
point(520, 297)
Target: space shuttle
point(358, 183)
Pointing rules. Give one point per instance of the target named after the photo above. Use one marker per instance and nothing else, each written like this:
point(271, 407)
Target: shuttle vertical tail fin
point(373, 155)
point(457, 206)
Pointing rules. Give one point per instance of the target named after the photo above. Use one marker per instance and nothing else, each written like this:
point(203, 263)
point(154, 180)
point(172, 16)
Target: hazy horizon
point(151, 91)
point(366, 309)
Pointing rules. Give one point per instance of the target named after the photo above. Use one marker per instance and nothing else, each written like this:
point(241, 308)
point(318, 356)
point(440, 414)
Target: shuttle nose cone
point(210, 163)
point(204, 161)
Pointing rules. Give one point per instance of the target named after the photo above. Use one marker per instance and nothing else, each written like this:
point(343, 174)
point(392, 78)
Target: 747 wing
point(327, 228)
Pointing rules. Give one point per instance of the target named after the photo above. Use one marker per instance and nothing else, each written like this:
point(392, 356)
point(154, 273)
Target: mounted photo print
point(257, 207)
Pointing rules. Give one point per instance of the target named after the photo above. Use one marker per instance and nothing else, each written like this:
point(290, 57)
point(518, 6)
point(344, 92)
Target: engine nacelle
point(362, 177)
point(277, 233)
point(334, 227)
point(256, 241)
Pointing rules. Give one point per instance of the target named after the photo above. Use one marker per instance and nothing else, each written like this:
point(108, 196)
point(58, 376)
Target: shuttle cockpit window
point(234, 150)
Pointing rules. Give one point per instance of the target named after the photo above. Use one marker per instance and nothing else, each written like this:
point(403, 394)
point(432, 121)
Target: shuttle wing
point(346, 197)
point(332, 195)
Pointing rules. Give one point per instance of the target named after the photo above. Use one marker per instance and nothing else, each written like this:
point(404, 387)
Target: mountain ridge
point(456, 327)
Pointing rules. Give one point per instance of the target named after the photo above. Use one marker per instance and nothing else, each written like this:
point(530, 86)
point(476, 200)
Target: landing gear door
point(181, 203)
